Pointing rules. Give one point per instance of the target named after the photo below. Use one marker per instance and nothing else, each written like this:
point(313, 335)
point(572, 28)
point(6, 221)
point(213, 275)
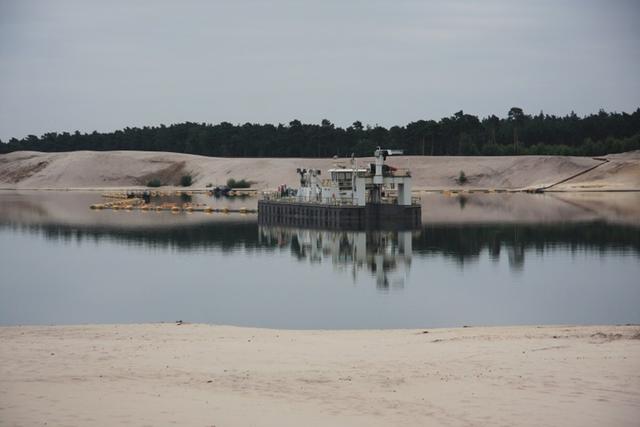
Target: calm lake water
point(63, 264)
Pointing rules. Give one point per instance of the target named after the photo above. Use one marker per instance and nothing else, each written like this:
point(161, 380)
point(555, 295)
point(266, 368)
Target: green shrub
point(462, 178)
point(155, 182)
point(238, 184)
point(186, 180)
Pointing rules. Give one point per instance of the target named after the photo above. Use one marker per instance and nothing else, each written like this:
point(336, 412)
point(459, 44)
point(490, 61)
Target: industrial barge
point(376, 196)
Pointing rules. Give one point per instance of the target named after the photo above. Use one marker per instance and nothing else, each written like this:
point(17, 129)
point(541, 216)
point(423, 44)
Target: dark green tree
point(516, 117)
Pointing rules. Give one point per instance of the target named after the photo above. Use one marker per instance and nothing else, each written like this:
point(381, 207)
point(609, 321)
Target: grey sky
point(105, 65)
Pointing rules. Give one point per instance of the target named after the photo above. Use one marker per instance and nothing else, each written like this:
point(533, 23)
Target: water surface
point(63, 264)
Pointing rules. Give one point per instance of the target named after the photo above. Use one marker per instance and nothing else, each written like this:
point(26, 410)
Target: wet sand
point(164, 374)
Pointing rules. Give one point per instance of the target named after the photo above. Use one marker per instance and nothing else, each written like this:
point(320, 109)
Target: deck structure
point(348, 217)
point(352, 198)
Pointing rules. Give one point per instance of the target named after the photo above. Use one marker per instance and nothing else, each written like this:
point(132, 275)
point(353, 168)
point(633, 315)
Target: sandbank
point(129, 169)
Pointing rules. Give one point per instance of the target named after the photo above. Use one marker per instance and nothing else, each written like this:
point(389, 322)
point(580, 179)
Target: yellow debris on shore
point(137, 204)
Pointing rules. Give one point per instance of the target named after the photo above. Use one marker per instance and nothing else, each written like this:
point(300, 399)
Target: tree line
point(459, 134)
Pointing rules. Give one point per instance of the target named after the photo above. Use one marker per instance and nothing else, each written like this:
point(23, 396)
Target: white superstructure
point(379, 183)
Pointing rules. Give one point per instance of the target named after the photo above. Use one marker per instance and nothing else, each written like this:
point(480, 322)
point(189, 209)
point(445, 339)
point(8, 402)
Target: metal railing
point(274, 196)
point(295, 199)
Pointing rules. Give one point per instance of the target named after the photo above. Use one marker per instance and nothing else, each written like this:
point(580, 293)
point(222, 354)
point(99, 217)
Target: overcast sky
point(105, 65)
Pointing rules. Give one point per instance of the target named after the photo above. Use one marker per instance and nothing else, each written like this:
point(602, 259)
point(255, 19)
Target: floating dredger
point(375, 196)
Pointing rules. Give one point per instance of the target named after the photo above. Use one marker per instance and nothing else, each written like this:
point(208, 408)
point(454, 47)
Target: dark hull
point(371, 216)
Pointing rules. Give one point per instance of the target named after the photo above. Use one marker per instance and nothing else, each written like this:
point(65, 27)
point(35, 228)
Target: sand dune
point(166, 374)
point(621, 172)
point(92, 169)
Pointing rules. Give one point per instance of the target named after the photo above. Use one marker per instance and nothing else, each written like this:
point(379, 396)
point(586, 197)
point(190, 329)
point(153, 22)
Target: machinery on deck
point(351, 196)
point(376, 183)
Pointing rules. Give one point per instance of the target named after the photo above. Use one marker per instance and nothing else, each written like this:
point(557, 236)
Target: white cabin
point(357, 186)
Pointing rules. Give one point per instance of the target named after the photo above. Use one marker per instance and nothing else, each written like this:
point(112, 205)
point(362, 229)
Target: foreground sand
point(169, 374)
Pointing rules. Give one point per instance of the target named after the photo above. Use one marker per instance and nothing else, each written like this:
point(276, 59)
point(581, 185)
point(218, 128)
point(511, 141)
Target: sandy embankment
point(165, 374)
point(90, 169)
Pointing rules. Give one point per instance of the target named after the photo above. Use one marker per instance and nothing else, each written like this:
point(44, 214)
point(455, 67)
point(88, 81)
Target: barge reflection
point(386, 255)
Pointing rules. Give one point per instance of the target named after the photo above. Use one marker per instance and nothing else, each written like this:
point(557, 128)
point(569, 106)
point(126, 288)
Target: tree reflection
point(378, 252)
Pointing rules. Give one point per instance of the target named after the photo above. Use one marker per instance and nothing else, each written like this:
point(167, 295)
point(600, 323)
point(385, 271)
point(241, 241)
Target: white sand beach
point(108, 169)
point(200, 375)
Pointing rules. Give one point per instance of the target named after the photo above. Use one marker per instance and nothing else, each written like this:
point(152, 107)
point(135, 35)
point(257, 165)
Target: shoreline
point(415, 191)
point(439, 207)
point(580, 328)
point(198, 374)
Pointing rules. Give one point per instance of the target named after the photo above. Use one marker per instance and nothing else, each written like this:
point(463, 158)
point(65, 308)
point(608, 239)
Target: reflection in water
point(462, 200)
point(462, 243)
point(187, 237)
point(380, 252)
point(238, 273)
point(515, 266)
point(383, 253)
point(465, 243)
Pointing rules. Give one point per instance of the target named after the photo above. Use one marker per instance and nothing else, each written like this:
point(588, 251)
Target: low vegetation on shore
point(241, 183)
